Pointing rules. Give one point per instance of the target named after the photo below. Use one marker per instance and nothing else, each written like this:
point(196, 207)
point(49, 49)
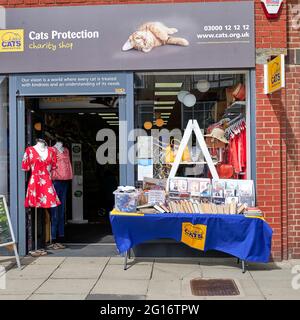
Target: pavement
point(103, 278)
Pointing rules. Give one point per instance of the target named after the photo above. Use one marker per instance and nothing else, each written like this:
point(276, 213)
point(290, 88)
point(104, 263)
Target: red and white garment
point(40, 192)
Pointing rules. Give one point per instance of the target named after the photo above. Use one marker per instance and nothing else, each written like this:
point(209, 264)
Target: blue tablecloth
point(246, 238)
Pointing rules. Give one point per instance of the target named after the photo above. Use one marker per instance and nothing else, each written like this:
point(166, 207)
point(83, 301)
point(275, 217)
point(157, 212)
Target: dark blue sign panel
point(71, 84)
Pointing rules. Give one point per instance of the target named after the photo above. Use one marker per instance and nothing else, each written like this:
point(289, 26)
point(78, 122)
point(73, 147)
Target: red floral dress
point(40, 191)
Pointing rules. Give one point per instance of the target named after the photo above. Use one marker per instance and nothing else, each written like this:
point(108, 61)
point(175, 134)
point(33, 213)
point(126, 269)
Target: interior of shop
point(75, 121)
point(216, 100)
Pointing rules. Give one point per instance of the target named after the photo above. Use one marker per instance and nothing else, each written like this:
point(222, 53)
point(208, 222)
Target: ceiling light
point(203, 85)
point(181, 95)
point(110, 117)
point(163, 108)
point(165, 117)
point(163, 102)
point(165, 113)
point(107, 114)
point(81, 113)
point(168, 85)
point(165, 93)
point(189, 100)
point(92, 113)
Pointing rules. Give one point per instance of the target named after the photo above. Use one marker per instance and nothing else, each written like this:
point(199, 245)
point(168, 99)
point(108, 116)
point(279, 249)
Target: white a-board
point(7, 237)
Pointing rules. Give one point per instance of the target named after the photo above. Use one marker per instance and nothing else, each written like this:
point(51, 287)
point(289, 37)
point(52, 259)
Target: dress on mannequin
point(40, 192)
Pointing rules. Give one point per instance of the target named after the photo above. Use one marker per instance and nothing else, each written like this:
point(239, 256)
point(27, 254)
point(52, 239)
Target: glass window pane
point(4, 134)
point(217, 100)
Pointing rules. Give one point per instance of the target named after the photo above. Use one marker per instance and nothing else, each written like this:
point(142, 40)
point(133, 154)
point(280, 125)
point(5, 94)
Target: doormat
point(214, 287)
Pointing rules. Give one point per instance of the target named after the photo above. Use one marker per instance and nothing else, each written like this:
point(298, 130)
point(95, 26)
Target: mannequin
point(40, 191)
point(59, 146)
point(42, 148)
point(60, 176)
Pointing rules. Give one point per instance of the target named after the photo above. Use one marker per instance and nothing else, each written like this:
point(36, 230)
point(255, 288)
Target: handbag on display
point(225, 171)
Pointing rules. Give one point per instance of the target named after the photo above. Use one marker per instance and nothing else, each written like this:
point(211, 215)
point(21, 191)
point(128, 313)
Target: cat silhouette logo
point(12, 40)
point(194, 235)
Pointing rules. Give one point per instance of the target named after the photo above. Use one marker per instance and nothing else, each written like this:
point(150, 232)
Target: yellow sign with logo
point(194, 235)
point(12, 40)
point(274, 74)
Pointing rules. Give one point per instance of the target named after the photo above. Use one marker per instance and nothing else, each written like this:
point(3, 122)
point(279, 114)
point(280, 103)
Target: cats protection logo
point(194, 235)
point(12, 40)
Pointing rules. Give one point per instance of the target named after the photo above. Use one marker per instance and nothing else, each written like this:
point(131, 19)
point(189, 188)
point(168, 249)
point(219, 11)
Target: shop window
point(166, 101)
point(4, 134)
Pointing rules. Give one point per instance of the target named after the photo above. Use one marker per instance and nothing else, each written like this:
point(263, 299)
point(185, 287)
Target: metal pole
point(243, 266)
point(17, 256)
point(35, 228)
point(125, 260)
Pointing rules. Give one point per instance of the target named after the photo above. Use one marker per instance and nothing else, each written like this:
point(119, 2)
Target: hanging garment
point(63, 170)
point(40, 192)
point(58, 213)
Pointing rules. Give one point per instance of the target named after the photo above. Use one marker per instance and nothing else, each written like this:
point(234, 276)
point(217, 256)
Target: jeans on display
point(58, 213)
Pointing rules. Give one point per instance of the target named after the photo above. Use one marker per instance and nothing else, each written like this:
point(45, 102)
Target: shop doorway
point(75, 121)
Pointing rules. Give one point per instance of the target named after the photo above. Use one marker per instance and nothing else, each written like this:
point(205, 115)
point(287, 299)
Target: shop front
point(107, 91)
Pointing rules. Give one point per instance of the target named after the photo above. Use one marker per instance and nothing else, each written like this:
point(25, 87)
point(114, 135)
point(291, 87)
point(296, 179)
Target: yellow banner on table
point(274, 75)
point(194, 235)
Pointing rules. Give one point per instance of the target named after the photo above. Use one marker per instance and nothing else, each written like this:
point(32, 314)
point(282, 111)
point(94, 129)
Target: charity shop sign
point(274, 75)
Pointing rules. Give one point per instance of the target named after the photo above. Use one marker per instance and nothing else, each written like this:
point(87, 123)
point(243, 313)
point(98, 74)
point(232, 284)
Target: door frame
point(17, 147)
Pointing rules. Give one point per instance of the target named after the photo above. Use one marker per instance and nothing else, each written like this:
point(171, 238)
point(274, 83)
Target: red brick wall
point(276, 121)
point(293, 130)
point(270, 134)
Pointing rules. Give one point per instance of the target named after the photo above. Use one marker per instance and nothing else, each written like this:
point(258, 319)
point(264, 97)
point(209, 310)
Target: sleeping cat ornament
point(151, 35)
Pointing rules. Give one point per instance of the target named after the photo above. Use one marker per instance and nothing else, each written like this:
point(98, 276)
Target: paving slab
point(49, 260)
point(101, 297)
point(21, 286)
point(235, 298)
point(86, 260)
point(31, 272)
point(135, 272)
point(27, 260)
point(175, 260)
point(132, 261)
point(282, 293)
point(166, 288)
point(294, 262)
point(275, 275)
point(249, 287)
point(14, 296)
point(123, 287)
point(66, 286)
point(172, 298)
point(282, 297)
point(78, 271)
point(164, 271)
point(218, 273)
point(57, 297)
point(276, 287)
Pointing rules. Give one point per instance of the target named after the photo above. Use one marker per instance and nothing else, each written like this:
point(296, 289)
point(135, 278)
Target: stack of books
point(253, 212)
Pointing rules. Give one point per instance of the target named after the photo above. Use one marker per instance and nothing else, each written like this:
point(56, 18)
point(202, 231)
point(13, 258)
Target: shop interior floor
point(89, 233)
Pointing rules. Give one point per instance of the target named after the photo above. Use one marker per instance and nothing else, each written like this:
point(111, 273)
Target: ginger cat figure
point(151, 35)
